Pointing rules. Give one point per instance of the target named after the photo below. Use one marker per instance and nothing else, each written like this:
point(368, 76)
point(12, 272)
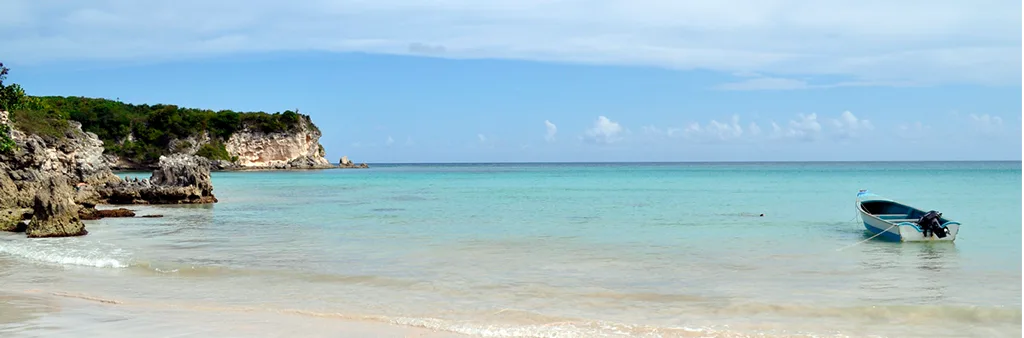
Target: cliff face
point(50, 180)
point(38, 179)
point(250, 148)
point(296, 149)
point(78, 156)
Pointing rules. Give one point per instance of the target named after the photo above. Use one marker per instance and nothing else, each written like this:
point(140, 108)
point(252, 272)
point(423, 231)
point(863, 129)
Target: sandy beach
point(58, 314)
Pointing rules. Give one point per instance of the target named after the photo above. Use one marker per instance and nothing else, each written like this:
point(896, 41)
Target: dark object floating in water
point(762, 215)
point(387, 209)
point(152, 216)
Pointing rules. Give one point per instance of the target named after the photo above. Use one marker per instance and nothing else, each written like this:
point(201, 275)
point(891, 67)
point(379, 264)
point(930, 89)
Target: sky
point(557, 81)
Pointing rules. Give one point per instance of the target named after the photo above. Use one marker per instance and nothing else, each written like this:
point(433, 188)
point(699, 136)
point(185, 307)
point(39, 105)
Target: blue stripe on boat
point(887, 235)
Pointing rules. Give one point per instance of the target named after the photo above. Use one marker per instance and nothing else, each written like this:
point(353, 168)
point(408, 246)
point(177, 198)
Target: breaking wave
point(66, 251)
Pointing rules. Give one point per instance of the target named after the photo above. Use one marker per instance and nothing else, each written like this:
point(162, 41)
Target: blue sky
point(476, 81)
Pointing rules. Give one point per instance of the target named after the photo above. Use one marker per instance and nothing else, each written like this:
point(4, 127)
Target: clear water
point(548, 250)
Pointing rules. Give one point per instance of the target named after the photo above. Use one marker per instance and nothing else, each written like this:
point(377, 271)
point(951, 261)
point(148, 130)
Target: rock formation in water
point(54, 212)
point(38, 176)
point(344, 162)
point(179, 179)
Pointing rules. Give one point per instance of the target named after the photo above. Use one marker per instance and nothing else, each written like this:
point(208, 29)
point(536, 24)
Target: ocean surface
point(538, 250)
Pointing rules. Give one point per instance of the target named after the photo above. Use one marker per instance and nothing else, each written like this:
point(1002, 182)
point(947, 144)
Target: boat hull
point(894, 221)
point(905, 232)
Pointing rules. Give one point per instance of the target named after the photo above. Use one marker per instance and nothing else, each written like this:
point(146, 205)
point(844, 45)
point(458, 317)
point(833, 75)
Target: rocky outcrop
point(54, 212)
point(296, 149)
point(344, 162)
point(42, 178)
point(51, 181)
point(179, 179)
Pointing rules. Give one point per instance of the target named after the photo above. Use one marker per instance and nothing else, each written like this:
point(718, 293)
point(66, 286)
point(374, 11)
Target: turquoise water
point(546, 250)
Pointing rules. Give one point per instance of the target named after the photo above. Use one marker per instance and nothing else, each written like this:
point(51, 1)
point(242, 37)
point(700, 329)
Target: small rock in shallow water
point(152, 216)
point(119, 212)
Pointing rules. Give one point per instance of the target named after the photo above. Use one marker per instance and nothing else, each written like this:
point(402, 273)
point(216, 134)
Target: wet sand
point(33, 313)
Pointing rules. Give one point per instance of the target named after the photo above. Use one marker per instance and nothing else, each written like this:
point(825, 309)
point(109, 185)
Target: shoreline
point(76, 314)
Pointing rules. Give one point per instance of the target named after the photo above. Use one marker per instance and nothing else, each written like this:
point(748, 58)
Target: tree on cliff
point(10, 95)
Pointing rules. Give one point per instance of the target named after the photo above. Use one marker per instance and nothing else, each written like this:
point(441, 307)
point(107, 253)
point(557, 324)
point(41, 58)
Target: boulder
point(54, 212)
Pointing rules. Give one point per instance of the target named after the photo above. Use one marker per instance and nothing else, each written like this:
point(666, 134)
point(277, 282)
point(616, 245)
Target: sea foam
point(66, 251)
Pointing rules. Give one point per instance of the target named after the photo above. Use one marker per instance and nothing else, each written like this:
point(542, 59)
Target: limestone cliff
point(298, 148)
point(250, 147)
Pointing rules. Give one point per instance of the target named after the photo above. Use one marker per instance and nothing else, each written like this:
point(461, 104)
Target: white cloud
point(604, 131)
point(986, 123)
point(991, 127)
point(390, 141)
point(869, 41)
point(481, 137)
point(804, 128)
point(551, 131)
point(715, 131)
point(849, 126)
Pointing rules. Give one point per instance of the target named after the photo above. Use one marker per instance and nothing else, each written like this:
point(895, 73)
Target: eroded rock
point(54, 212)
point(344, 162)
point(180, 179)
point(14, 219)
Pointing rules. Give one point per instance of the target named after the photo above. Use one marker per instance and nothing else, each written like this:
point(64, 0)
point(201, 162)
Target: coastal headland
point(58, 155)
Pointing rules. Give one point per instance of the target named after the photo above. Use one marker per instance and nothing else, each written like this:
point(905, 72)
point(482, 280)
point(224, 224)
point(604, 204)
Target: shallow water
point(547, 250)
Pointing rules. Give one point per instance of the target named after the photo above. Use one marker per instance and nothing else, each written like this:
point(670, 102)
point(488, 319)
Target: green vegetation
point(141, 133)
point(11, 96)
point(7, 144)
point(215, 151)
point(137, 133)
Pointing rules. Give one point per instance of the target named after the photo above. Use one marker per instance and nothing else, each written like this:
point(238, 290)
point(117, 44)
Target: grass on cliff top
point(141, 133)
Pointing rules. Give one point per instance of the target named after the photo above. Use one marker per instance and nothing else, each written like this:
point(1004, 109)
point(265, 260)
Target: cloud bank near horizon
point(770, 44)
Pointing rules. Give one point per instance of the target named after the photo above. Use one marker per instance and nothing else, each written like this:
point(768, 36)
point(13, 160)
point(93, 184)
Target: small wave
point(63, 251)
point(543, 326)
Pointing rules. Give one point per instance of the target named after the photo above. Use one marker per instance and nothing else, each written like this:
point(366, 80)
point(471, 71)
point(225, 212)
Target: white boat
point(896, 221)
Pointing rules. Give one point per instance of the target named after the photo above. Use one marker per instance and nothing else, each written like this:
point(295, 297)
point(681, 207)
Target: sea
point(536, 250)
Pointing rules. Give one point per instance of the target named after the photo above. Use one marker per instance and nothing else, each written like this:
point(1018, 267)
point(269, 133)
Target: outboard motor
point(929, 224)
